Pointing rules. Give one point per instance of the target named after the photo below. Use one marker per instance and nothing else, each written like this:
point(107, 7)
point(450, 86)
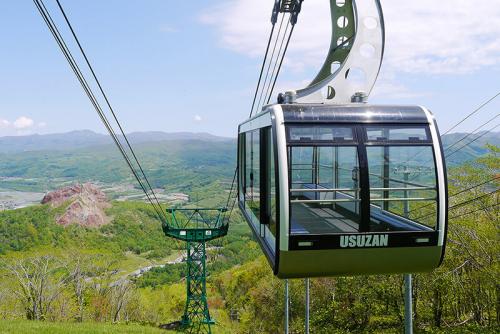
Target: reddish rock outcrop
point(85, 205)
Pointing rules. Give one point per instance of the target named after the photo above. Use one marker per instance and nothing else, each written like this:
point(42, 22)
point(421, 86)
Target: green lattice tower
point(196, 226)
point(196, 313)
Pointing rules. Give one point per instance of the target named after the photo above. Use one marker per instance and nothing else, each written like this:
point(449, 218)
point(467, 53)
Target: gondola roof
point(353, 113)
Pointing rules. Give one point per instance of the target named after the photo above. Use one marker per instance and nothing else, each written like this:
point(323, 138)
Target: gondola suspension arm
point(354, 58)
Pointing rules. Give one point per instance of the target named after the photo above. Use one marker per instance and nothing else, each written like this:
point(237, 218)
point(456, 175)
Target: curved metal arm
point(355, 56)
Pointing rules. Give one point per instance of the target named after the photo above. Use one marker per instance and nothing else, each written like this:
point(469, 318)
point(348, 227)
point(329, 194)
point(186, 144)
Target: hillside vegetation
point(23, 326)
point(89, 272)
point(190, 163)
point(53, 275)
point(462, 296)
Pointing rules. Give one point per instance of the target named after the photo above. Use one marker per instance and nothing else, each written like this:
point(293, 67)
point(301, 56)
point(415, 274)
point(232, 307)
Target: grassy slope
point(34, 327)
point(28, 327)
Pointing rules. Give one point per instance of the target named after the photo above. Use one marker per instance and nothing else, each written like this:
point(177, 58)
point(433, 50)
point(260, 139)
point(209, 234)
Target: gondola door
point(259, 185)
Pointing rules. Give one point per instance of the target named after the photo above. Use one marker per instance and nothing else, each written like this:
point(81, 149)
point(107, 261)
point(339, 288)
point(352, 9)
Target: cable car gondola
point(333, 186)
point(336, 190)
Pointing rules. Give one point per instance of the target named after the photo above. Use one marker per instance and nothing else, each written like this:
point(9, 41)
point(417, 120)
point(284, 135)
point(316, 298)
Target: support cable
point(460, 192)
point(474, 211)
point(473, 199)
point(264, 62)
point(270, 61)
point(478, 137)
point(475, 111)
point(473, 132)
point(53, 28)
point(262, 69)
point(106, 99)
point(462, 147)
point(463, 203)
point(233, 204)
point(281, 62)
point(74, 66)
point(475, 186)
point(232, 187)
point(484, 104)
point(274, 74)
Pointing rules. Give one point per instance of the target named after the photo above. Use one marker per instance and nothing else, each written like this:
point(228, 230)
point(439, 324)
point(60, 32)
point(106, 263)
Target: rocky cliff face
point(85, 205)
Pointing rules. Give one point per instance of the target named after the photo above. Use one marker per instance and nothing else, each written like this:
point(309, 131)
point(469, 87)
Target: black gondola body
point(344, 189)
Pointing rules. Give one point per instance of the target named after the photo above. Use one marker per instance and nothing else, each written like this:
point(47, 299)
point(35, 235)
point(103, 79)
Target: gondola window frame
point(361, 141)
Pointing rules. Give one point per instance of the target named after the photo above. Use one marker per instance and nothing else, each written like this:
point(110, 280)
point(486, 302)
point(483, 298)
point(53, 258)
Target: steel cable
point(475, 186)
point(463, 203)
point(81, 78)
point(474, 211)
point(270, 61)
point(475, 111)
point(55, 32)
point(462, 147)
point(107, 100)
point(484, 104)
point(473, 199)
point(478, 137)
point(460, 192)
point(270, 89)
point(262, 70)
point(273, 75)
point(281, 63)
point(472, 132)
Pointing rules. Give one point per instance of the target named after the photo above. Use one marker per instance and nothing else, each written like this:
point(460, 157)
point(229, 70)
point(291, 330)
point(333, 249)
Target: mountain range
point(86, 138)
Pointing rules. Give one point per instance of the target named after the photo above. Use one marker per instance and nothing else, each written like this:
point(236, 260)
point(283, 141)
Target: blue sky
point(193, 65)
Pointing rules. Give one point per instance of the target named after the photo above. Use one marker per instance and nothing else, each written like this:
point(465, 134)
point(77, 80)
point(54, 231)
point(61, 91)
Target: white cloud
point(21, 126)
point(427, 36)
point(4, 123)
point(393, 90)
point(198, 118)
point(23, 122)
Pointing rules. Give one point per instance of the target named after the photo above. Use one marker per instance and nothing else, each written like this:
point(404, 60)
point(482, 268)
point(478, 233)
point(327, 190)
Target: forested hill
point(186, 163)
point(84, 154)
point(163, 160)
point(462, 147)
